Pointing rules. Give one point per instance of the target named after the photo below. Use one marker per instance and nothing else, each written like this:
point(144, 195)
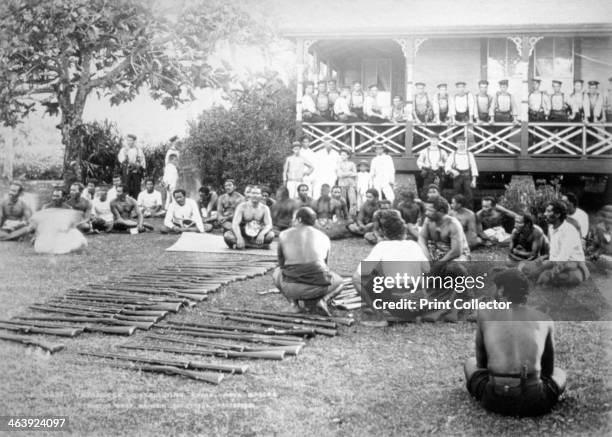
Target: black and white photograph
point(360, 218)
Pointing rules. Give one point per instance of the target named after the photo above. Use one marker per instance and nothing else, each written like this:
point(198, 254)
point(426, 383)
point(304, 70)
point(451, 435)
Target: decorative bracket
point(518, 42)
point(307, 44)
point(417, 44)
point(533, 40)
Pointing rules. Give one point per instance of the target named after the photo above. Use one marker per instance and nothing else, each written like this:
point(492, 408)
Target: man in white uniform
point(382, 173)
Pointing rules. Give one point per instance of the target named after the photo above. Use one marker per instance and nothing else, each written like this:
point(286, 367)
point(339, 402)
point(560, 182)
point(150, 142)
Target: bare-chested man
point(375, 236)
point(322, 206)
point(77, 202)
point(303, 274)
point(527, 241)
point(303, 198)
point(14, 215)
point(514, 370)
point(57, 200)
point(296, 167)
point(282, 211)
point(467, 218)
point(252, 224)
point(124, 208)
point(227, 203)
point(442, 237)
point(364, 223)
point(490, 221)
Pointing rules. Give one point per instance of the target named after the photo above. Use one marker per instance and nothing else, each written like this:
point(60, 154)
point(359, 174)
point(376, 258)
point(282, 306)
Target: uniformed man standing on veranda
point(462, 104)
point(559, 107)
point(441, 105)
point(593, 103)
point(608, 101)
point(503, 108)
point(423, 111)
point(538, 103)
point(576, 102)
point(483, 103)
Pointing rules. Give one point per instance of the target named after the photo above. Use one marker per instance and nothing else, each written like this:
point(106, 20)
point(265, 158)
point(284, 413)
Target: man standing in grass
point(514, 371)
point(296, 168)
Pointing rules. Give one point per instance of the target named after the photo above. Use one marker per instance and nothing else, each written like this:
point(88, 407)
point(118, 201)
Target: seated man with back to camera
point(183, 215)
point(251, 225)
point(514, 371)
point(303, 273)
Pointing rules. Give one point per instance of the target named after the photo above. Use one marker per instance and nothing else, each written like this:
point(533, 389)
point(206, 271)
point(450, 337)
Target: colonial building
point(393, 44)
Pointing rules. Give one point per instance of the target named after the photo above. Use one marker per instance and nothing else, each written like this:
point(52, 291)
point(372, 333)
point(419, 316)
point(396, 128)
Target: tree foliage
point(57, 52)
point(247, 140)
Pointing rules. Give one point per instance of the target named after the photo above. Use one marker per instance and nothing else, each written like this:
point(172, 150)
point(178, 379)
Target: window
point(377, 72)
point(502, 59)
point(553, 58)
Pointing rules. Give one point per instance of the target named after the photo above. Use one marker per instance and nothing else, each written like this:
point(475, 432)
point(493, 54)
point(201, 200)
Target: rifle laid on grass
point(118, 330)
point(50, 347)
point(26, 329)
point(234, 330)
point(89, 319)
point(278, 355)
point(298, 332)
point(193, 365)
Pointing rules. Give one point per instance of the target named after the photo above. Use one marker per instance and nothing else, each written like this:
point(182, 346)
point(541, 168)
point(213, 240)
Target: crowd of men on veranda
point(513, 371)
point(351, 104)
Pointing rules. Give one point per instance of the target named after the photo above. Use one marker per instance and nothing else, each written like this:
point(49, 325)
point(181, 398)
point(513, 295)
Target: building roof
point(385, 18)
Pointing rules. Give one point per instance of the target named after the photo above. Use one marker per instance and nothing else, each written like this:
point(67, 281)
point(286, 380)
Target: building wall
point(448, 61)
point(594, 62)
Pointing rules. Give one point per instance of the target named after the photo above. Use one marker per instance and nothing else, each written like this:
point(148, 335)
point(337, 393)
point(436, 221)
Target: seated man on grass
point(150, 201)
point(491, 219)
point(527, 241)
point(207, 204)
point(124, 208)
point(364, 223)
point(57, 200)
point(183, 215)
point(514, 371)
point(14, 215)
point(78, 203)
point(442, 238)
point(303, 274)
point(375, 236)
point(467, 218)
point(599, 247)
point(322, 207)
point(565, 263)
point(252, 224)
point(102, 218)
point(282, 211)
point(227, 203)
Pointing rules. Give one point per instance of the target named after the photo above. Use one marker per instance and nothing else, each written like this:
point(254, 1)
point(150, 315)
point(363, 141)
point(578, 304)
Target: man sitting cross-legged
point(102, 218)
point(412, 211)
point(283, 210)
point(227, 203)
point(150, 201)
point(375, 235)
point(490, 221)
point(565, 262)
point(182, 215)
point(57, 200)
point(442, 237)
point(364, 223)
point(14, 215)
point(303, 274)
point(78, 203)
point(124, 208)
point(322, 207)
point(527, 241)
point(514, 370)
point(207, 203)
point(252, 223)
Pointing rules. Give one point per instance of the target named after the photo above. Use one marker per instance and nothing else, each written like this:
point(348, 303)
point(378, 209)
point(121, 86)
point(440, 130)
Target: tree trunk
point(72, 146)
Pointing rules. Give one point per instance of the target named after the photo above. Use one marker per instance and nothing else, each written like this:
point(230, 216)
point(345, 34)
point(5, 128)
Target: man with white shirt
point(309, 155)
point(576, 102)
point(150, 201)
point(577, 214)
point(564, 265)
point(372, 111)
point(172, 150)
point(325, 168)
point(538, 102)
point(608, 102)
point(593, 103)
point(102, 218)
point(482, 103)
point(461, 166)
point(441, 105)
point(431, 162)
point(382, 173)
point(90, 190)
point(310, 113)
point(112, 192)
point(342, 108)
point(503, 107)
point(132, 160)
point(462, 104)
point(391, 256)
point(182, 215)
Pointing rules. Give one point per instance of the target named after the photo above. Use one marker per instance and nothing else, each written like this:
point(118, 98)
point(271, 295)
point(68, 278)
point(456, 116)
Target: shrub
point(100, 144)
point(248, 140)
point(522, 196)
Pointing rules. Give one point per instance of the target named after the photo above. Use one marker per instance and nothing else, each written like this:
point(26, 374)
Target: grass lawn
point(404, 380)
